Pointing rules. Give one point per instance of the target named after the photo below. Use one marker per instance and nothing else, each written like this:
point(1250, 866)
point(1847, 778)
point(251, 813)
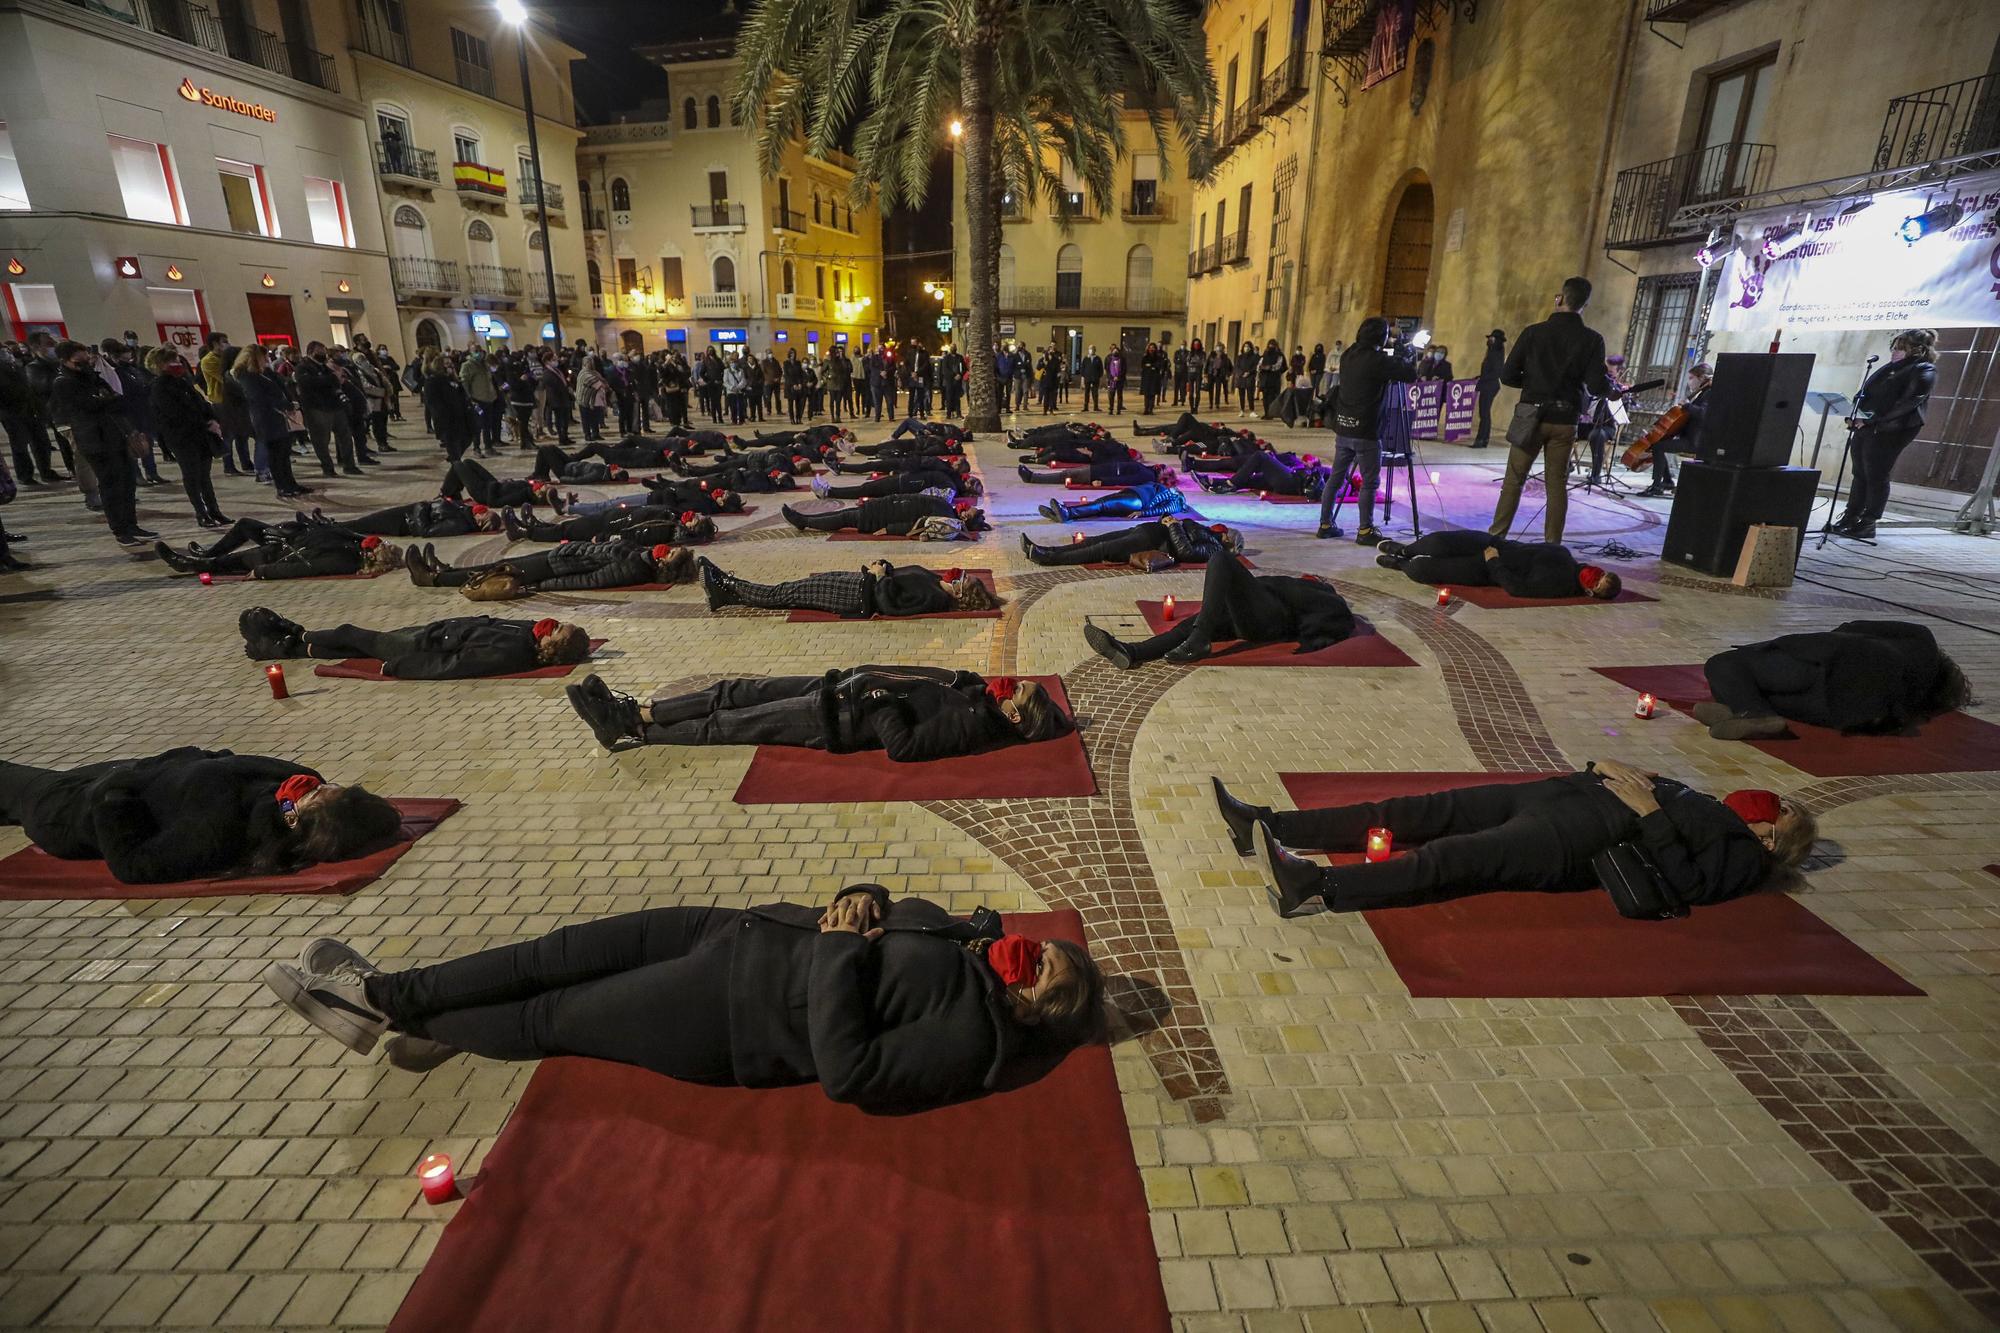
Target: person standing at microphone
point(1889, 411)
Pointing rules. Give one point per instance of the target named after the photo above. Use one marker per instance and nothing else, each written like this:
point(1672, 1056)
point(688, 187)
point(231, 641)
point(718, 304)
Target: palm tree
point(1033, 83)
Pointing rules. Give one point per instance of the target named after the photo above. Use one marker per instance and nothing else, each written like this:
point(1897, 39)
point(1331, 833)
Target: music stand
point(1827, 405)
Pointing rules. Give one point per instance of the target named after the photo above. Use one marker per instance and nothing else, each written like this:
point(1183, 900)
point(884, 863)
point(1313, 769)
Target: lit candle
point(1167, 607)
point(1379, 841)
point(276, 675)
point(207, 579)
point(1644, 707)
point(1444, 596)
point(435, 1177)
point(1076, 539)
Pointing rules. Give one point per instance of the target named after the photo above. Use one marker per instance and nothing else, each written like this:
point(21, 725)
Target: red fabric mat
point(1271, 499)
point(1499, 599)
point(619, 1201)
point(850, 535)
point(370, 668)
point(1952, 743)
point(1575, 945)
point(1364, 648)
point(794, 775)
point(1244, 560)
point(985, 576)
point(32, 873)
point(317, 578)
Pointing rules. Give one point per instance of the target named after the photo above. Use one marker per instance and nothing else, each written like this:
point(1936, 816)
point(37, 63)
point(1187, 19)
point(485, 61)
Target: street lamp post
point(516, 13)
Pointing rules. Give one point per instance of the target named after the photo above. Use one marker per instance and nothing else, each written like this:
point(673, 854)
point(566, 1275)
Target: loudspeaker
point(1752, 408)
point(1715, 506)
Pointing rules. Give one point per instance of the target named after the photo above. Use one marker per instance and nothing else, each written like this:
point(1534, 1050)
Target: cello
point(1638, 456)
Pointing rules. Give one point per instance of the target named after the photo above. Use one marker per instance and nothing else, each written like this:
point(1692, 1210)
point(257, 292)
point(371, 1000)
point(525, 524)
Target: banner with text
point(1855, 270)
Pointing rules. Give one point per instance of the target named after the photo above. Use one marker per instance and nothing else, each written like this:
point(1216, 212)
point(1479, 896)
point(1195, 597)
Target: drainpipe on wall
point(1295, 299)
point(1619, 82)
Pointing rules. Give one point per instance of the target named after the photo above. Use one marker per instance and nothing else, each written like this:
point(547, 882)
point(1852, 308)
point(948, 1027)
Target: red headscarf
point(1588, 575)
point(544, 627)
point(295, 789)
point(1753, 805)
point(479, 511)
point(370, 543)
point(662, 551)
point(1014, 958)
point(1001, 688)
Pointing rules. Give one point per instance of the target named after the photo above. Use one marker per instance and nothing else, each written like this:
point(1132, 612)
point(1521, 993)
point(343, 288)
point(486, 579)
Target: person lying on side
point(937, 430)
point(896, 515)
point(1107, 472)
point(1056, 432)
point(1476, 560)
point(1861, 676)
point(640, 524)
point(1525, 837)
point(911, 713)
point(888, 1004)
point(1236, 604)
point(699, 496)
point(461, 648)
point(939, 481)
point(571, 567)
point(812, 441)
point(288, 550)
point(1187, 542)
point(425, 518)
point(194, 814)
point(876, 589)
point(468, 476)
point(1148, 501)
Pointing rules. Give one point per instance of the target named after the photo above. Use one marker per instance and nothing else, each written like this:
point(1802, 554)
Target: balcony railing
point(199, 26)
point(1194, 263)
point(1243, 121)
point(493, 282)
point(1013, 208)
point(437, 278)
point(714, 305)
point(1284, 85)
point(1349, 28)
point(379, 39)
point(787, 219)
point(594, 220)
point(1645, 198)
point(474, 78)
point(531, 198)
point(792, 305)
point(538, 289)
point(1235, 248)
point(1075, 206)
point(1100, 300)
point(479, 180)
point(1211, 258)
point(1148, 206)
point(1947, 121)
point(1681, 11)
point(717, 214)
point(404, 163)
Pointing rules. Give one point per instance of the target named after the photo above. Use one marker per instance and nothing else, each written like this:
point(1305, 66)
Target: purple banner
point(1389, 52)
point(1461, 406)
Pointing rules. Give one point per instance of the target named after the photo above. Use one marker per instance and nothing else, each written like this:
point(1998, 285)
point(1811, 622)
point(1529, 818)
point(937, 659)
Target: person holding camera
point(1554, 364)
point(1889, 412)
point(1367, 368)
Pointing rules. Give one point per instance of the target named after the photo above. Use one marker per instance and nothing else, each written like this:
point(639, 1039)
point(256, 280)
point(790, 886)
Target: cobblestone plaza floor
point(1321, 1151)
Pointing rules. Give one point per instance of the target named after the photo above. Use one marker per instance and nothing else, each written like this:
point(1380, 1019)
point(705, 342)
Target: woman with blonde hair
point(270, 408)
point(1889, 411)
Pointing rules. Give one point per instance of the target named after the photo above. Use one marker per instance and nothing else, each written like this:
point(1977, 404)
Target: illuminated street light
point(515, 14)
point(957, 127)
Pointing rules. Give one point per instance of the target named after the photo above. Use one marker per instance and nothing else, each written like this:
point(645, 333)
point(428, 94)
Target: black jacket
point(1868, 674)
point(910, 1020)
point(184, 814)
point(909, 591)
point(295, 550)
point(426, 518)
point(464, 647)
point(1364, 373)
point(1272, 608)
point(581, 566)
point(266, 402)
point(1897, 395)
point(319, 387)
point(180, 413)
point(897, 514)
point(1557, 363)
point(912, 713)
point(1188, 542)
point(1534, 569)
point(93, 411)
point(1702, 848)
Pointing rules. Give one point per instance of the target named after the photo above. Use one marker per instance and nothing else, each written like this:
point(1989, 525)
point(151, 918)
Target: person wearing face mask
point(1527, 837)
point(1555, 364)
point(1889, 411)
point(95, 415)
point(188, 431)
point(326, 412)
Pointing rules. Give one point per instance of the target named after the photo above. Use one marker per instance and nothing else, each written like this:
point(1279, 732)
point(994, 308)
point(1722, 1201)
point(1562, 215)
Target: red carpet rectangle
point(32, 873)
point(849, 535)
point(1575, 945)
point(1499, 599)
point(985, 576)
point(1364, 648)
point(317, 578)
point(794, 775)
point(1950, 743)
point(370, 668)
point(1243, 560)
point(619, 1201)
point(1271, 498)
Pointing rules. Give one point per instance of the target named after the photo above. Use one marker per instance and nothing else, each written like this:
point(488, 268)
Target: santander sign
point(209, 97)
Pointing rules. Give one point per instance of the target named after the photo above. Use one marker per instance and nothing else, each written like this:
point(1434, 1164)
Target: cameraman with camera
point(1555, 364)
point(1368, 367)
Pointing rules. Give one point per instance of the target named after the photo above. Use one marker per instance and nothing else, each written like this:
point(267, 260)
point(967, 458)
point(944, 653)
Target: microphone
point(1873, 359)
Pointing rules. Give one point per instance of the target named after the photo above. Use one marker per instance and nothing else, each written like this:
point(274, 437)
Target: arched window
point(725, 274)
point(536, 240)
point(1069, 277)
point(594, 274)
point(850, 217)
point(480, 247)
point(621, 195)
point(430, 337)
point(819, 283)
point(689, 117)
point(1139, 278)
point(816, 216)
point(1006, 274)
point(790, 279)
point(714, 112)
point(408, 236)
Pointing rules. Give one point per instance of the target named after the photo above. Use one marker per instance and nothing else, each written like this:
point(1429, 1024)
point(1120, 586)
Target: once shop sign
point(209, 97)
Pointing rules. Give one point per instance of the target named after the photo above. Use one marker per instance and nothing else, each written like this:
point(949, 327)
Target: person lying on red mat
point(878, 588)
point(1469, 559)
point(193, 814)
point(1529, 837)
point(461, 648)
point(904, 1005)
point(1862, 676)
point(580, 566)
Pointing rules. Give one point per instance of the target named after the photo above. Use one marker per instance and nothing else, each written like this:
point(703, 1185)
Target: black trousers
point(115, 487)
point(1109, 546)
point(1111, 506)
point(468, 477)
point(1116, 404)
point(1450, 556)
point(1530, 836)
point(356, 641)
point(756, 710)
point(1743, 679)
point(43, 802)
point(647, 988)
point(530, 569)
point(1875, 455)
point(1487, 390)
point(196, 463)
point(833, 520)
point(28, 438)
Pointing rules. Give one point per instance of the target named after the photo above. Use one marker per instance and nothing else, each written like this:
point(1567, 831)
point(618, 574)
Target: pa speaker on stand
point(1715, 506)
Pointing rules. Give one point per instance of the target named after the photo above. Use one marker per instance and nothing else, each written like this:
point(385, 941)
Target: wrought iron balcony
point(1075, 206)
point(1947, 121)
point(787, 219)
point(476, 180)
point(1211, 258)
point(1194, 263)
point(402, 163)
point(717, 215)
point(492, 282)
point(1283, 86)
point(1681, 11)
point(1244, 121)
point(533, 200)
point(1235, 248)
point(1645, 198)
point(712, 305)
point(538, 289)
point(199, 26)
point(1148, 206)
point(437, 279)
point(595, 220)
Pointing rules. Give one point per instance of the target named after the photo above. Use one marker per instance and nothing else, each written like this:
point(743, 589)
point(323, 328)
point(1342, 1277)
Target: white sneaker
point(335, 1006)
point(820, 485)
point(326, 957)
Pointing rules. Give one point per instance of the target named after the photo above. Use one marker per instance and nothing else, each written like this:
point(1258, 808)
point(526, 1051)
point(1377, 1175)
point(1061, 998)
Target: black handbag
point(1635, 884)
point(1525, 426)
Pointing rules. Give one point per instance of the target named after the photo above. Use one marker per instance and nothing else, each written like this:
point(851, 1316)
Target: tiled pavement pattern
point(1321, 1150)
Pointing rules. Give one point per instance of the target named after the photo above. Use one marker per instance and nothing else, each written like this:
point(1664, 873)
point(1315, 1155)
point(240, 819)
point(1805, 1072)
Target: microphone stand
point(1826, 529)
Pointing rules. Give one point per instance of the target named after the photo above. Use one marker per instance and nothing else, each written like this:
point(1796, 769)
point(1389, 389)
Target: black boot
point(174, 560)
point(267, 635)
point(1294, 882)
point(1241, 817)
point(1191, 649)
point(611, 717)
point(716, 585)
point(1111, 650)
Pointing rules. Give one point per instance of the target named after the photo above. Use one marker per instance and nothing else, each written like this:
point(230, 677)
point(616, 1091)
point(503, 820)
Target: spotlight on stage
point(1711, 252)
point(1942, 218)
point(1783, 242)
